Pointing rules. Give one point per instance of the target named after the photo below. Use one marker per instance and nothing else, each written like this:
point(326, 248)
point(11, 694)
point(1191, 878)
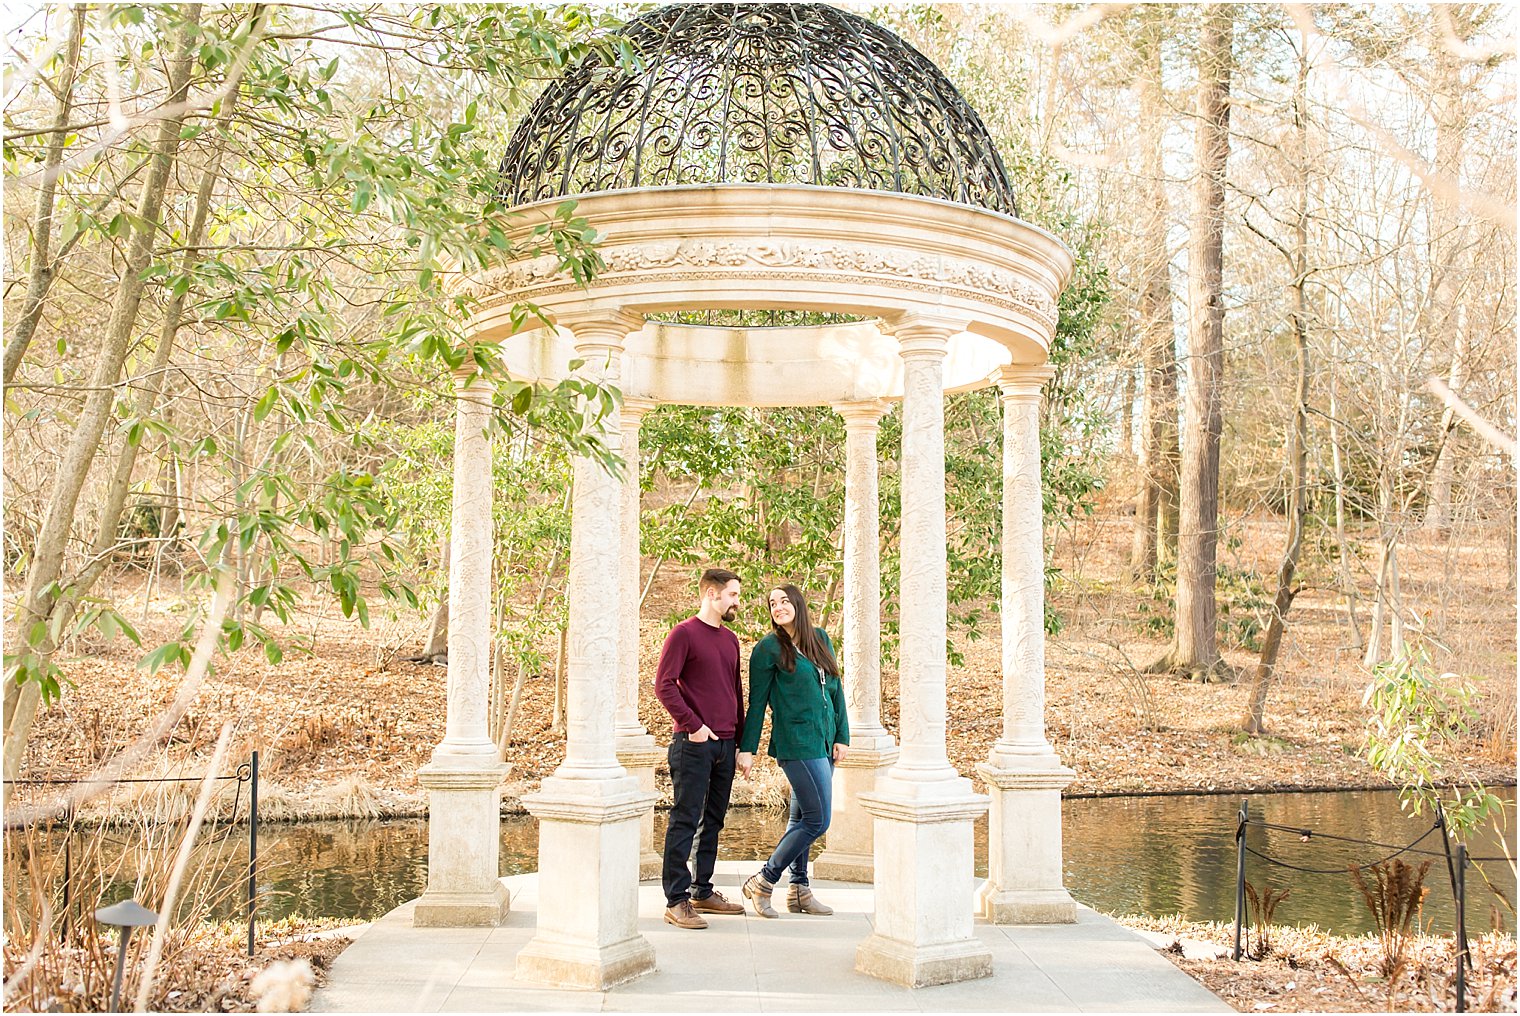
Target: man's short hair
point(716, 578)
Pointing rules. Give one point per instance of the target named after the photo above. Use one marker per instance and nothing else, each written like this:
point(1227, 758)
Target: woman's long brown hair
point(808, 641)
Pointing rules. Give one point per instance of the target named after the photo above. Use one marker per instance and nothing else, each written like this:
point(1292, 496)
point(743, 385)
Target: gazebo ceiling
point(754, 93)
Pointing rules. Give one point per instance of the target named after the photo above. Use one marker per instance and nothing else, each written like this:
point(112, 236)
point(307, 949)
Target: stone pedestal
point(588, 838)
point(1024, 879)
point(464, 848)
point(640, 763)
point(924, 858)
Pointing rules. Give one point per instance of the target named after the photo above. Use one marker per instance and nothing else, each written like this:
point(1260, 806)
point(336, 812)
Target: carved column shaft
point(466, 729)
point(862, 571)
point(923, 587)
point(1023, 594)
point(630, 730)
point(596, 539)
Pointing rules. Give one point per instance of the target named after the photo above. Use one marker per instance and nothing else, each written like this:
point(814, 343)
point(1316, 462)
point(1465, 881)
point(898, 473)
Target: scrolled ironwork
point(756, 93)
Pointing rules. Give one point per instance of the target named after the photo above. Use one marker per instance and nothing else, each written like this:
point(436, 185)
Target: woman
point(793, 671)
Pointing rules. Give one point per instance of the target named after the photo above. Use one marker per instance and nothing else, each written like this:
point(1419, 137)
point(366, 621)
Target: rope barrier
point(1307, 834)
point(1359, 867)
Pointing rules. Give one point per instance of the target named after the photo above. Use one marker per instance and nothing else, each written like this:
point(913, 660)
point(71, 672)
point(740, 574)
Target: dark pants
point(701, 778)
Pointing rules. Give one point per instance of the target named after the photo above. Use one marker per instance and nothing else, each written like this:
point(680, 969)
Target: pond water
point(1124, 855)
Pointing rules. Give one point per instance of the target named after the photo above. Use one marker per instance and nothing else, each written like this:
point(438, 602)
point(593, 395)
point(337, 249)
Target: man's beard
point(730, 613)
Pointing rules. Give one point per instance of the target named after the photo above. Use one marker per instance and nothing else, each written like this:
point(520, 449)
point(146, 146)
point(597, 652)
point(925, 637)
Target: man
point(698, 684)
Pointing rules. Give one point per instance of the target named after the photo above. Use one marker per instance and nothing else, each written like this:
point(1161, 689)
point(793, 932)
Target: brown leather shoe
point(758, 891)
point(715, 904)
point(683, 916)
point(800, 900)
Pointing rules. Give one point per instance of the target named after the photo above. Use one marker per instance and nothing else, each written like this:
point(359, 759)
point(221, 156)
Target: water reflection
point(1156, 855)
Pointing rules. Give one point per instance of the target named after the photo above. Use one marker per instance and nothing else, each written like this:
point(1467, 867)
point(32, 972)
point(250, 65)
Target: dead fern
point(1394, 897)
point(1261, 909)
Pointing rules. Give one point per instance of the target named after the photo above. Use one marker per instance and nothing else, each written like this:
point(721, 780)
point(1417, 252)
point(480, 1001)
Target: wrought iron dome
point(756, 93)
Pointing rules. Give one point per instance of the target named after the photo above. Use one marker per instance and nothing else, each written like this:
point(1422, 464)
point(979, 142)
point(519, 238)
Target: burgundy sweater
point(698, 679)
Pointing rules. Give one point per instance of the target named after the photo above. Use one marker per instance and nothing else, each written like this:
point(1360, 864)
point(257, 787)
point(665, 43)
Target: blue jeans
point(812, 783)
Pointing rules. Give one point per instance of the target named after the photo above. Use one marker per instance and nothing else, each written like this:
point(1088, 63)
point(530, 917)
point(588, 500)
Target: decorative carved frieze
point(540, 277)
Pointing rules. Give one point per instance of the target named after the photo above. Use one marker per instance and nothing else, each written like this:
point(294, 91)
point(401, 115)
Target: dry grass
point(57, 873)
point(1307, 970)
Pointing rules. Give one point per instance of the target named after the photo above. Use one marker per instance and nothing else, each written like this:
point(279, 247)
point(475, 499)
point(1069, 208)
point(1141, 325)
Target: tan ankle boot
point(800, 900)
point(758, 891)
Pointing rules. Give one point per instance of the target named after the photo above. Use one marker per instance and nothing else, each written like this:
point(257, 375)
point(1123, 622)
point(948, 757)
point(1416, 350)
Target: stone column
point(465, 773)
point(589, 810)
point(924, 810)
point(1022, 773)
point(636, 747)
point(848, 847)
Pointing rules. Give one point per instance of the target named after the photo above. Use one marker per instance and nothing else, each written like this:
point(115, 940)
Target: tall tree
point(1195, 650)
point(1295, 254)
point(1448, 241)
point(1155, 529)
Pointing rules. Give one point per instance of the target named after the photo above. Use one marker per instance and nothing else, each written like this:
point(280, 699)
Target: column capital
point(924, 335)
point(635, 409)
point(597, 331)
point(862, 415)
point(467, 377)
point(1021, 382)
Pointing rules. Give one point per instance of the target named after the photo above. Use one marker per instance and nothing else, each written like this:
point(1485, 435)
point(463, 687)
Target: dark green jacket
point(806, 720)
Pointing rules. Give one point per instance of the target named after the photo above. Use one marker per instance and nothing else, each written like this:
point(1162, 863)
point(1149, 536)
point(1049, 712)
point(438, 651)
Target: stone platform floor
point(747, 964)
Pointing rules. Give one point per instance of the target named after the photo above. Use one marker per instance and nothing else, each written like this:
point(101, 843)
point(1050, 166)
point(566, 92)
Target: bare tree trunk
point(1438, 504)
point(40, 278)
point(1195, 652)
point(1158, 486)
point(147, 403)
point(1448, 242)
point(1338, 465)
point(557, 718)
point(47, 563)
point(1298, 435)
point(438, 633)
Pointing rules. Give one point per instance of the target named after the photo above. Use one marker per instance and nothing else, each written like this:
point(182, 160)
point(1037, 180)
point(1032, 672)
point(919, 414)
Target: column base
point(588, 884)
point(462, 910)
point(1024, 876)
point(1026, 906)
point(640, 761)
point(924, 931)
point(848, 847)
point(589, 968)
point(464, 848)
point(923, 966)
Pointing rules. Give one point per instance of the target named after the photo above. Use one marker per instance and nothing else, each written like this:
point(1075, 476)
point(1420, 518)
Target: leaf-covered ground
point(343, 730)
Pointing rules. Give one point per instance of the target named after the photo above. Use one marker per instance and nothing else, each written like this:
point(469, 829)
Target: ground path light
point(124, 916)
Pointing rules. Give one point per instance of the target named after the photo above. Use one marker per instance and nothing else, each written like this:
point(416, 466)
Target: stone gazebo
point(773, 163)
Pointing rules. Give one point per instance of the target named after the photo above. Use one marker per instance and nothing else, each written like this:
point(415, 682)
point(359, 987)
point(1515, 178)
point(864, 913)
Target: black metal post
point(253, 846)
point(1462, 958)
point(1240, 871)
point(68, 873)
